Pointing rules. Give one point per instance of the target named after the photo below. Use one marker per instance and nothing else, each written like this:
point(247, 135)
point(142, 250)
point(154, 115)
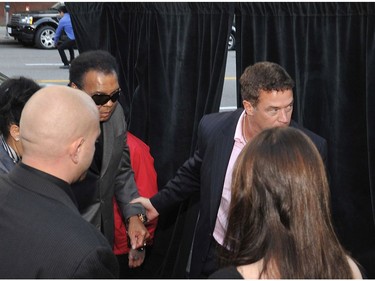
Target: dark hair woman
point(279, 219)
point(14, 93)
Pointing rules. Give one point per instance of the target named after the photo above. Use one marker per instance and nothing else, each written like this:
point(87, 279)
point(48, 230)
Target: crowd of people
point(79, 195)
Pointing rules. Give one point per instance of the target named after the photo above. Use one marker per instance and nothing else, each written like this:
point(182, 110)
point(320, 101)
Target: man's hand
point(137, 233)
point(151, 211)
point(136, 258)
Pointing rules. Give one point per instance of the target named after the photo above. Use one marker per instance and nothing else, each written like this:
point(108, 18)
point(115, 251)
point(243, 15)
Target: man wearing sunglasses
point(110, 173)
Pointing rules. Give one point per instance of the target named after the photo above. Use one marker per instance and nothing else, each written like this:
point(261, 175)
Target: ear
point(14, 131)
point(249, 108)
point(75, 150)
point(73, 85)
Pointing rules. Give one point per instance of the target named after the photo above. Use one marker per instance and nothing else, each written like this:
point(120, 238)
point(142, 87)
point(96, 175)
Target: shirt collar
point(11, 152)
point(59, 182)
point(238, 134)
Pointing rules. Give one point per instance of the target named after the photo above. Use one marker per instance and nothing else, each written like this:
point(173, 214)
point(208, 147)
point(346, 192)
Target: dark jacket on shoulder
point(42, 233)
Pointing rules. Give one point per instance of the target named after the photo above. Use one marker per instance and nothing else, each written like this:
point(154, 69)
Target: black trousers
point(66, 44)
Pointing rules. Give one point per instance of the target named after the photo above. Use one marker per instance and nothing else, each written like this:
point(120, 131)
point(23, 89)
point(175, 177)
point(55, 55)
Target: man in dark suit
point(42, 232)
point(266, 90)
point(110, 174)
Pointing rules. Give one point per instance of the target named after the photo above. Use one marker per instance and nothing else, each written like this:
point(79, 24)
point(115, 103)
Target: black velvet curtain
point(328, 48)
point(172, 60)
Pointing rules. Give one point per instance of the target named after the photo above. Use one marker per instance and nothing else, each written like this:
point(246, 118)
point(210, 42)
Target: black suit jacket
point(43, 235)
point(205, 173)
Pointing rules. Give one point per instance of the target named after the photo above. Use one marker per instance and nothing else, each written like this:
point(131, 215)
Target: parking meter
point(6, 8)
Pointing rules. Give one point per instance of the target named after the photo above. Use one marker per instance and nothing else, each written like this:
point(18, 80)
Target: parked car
point(232, 39)
point(3, 77)
point(35, 28)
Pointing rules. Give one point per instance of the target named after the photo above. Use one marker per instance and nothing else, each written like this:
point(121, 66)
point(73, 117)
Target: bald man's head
point(54, 118)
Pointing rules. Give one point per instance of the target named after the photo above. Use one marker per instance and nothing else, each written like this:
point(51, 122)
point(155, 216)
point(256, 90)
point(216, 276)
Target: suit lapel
point(223, 151)
point(108, 138)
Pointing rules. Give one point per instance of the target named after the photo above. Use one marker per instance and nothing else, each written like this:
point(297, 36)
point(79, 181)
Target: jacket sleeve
point(59, 29)
point(125, 186)
point(187, 180)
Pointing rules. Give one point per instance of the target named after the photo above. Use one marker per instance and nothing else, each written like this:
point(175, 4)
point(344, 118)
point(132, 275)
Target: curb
point(7, 41)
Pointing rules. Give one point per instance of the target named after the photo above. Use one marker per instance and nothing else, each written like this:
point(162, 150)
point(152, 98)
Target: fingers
point(140, 239)
point(138, 233)
point(137, 200)
point(136, 258)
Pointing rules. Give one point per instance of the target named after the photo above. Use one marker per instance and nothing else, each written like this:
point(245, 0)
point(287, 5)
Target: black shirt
point(59, 182)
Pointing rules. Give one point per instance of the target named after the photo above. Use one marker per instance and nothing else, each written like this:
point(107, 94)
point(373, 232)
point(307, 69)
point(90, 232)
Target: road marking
point(52, 81)
point(42, 64)
point(228, 108)
point(55, 64)
point(66, 81)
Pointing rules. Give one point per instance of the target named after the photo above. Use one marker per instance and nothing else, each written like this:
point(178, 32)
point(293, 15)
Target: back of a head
point(266, 76)
point(97, 60)
point(53, 117)
point(280, 192)
point(62, 9)
point(14, 93)
point(286, 165)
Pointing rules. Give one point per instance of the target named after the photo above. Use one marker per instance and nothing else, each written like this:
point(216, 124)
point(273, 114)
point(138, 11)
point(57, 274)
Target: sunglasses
point(102, 98)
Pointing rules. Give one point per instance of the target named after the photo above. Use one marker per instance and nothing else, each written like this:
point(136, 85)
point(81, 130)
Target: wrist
point(141, 217)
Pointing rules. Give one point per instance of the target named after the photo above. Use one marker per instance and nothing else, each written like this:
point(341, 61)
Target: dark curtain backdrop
point(328, 48)
point(172, 61)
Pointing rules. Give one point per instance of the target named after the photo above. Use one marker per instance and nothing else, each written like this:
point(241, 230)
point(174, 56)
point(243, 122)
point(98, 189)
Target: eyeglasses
point(102, 98)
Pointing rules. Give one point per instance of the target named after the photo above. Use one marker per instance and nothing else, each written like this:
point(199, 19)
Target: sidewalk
point(6, 39)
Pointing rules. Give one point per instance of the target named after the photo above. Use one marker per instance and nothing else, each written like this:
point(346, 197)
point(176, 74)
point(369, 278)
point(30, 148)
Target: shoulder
point(117, 120)
point(214, 125)
point(318, 140)
point(56, 231)
point(64, 19)
point(229, 272)
point(6, 164)
point(136, 143)
point(218, 120)
point(219, 117)
point(5, 187)
point(355, 269)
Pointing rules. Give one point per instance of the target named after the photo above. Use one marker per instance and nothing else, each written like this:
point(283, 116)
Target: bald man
point(42, 232)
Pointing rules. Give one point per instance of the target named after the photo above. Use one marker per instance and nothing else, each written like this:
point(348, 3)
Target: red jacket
point(146, 179)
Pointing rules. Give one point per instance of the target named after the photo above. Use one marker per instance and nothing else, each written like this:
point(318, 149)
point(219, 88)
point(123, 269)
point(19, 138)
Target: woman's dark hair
point(280, 210)
point(14, 93)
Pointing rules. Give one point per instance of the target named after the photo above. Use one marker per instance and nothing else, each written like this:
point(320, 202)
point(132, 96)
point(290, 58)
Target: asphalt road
point(43, 66)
